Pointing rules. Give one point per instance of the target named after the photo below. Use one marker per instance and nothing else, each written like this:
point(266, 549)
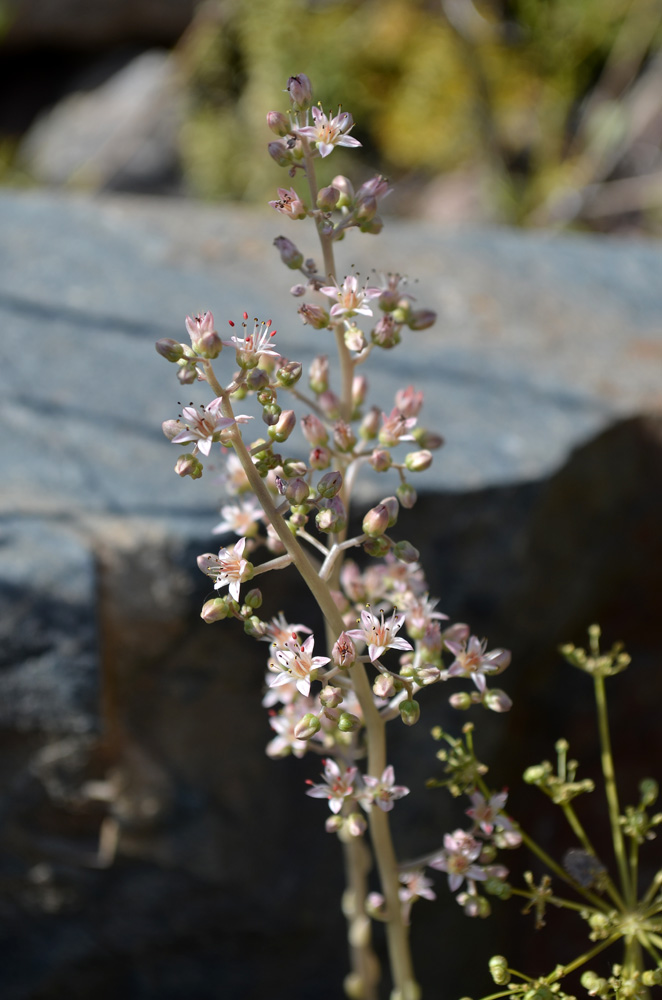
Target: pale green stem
point(586, 957)
point(559, 901)
point(600, 904)
point(652, 889)
point(611, 792)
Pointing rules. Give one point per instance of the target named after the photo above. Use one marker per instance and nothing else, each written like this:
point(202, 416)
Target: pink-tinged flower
point(203, 426)
point(329, 132)
point(379, 635)
point(289, 203)
point(420, 614)
point(297, 661)
point(457, 859)
point(394, 428)
point(279, 632)
point(351, 298)
point(242, 518)
point(197, 326)
point(336, 787)
point(471, 660)
point(381, 792)
point(252, 345)
point(415, 885)
point(228, 568)
point(487, 814)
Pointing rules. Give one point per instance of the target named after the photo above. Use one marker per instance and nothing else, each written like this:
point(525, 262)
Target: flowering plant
point(294, 506)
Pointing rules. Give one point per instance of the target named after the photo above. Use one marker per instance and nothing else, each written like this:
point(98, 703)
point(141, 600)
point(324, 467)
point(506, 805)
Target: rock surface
point(118, 704)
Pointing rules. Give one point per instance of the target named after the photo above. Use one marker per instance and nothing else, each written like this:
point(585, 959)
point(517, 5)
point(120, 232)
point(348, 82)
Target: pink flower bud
point(497, 700)
point(298, 290)
point(381, 460)
point(405, 552)
point(370, 424)
point(460, 700)
point(300, 90)
point(330, 697)
point(327, 198)
point(313, 429)
point(320, 458)
point(375, 521)
point(418, 461)
point(313, 315)
point(318, 375)
point(307, 726)
point(410, 711)
point(343, 653)
point(343, 436)
point(366, 209)
point(293, 468)
point(330, 484)
point(169, 349)
point(408, 401)
point(280, 152)
point(356, 824)
point(279, 123)
point(214, 611)
point(428, 439)
point(281, 430)
point(421, 319)
point(386, 333)
point(297, 491)
point(376, 187)
point(393, 509)
point(332, 516)
point(188, 465)
point(209, 345)
point(330, 404)
point(171, 428)
point(407, 496)
point(384, 686)
point(288, 375)
point(344, 186)
point(354, 338)
point(333, 824)
point(290, 254)
point(359, 390)
point(187, 373)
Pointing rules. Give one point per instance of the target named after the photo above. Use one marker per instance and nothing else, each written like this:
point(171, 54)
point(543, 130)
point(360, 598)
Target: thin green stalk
point(583, 838)
point(553, 866)
point(611, 792)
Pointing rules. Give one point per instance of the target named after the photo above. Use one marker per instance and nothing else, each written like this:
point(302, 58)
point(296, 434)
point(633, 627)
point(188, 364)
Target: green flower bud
point(410, 711)
point(499, 970)
point(307, 726)
point(348, 723)
point(169, 349)
point(214, 611)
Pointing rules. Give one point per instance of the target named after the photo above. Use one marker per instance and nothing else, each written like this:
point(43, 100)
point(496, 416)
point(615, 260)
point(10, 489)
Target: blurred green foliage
point(531, 92)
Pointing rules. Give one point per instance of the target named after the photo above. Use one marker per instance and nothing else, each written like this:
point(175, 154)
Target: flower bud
point(354, 338)
point(271, 414)
point(330, 697)
point(366, 209)
point(290, 254)
point(318, 375)
point(188, 465)
point(386, 333)
point(343, 653)
point(359, 390)
point(370, 424)
point(187, 372)
point(410, 711)
point(169, 349)
point(313, 430)
point(356, 824)
point(418, 461)
point(373, 226)
point(319, 458)
point(256, 379)
point(649, 790)
point(428, 439)
point(171, 428)
point(377, 547)
point(327, 198)
point(298, 290)
point(405, 552)
point(343, 436)
point(384, 686)
point(208, 345)
point(497, 700)
point(375, 522)
point(330, 484)
point(300, 90)
point(348, 723)
point(381, 460)
point(253, 598)
point(307, 726)
point(499, 970)
point(297, 491)
point(393, 509)
point(215, 610)
point(334, 824)
point(346, 191)
point(407, 495)
point(330, 404)
point(280, 152)
point(288, 375)
point(421, 319)
point(461, 700)
point(279, 123)
point(281, 430)
point(331, 517)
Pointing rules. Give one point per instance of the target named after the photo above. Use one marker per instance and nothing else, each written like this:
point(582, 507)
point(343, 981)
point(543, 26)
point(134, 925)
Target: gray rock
point(120, 135)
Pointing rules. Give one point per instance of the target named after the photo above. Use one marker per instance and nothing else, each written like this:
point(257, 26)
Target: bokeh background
point(526, 112)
